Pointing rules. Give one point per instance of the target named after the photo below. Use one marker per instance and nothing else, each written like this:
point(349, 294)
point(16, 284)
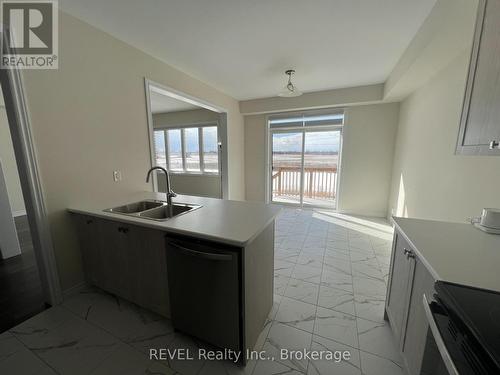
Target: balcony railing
point(319, 183)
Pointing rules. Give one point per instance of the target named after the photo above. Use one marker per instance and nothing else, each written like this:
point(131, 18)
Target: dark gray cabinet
point(150, 286)
point(409, 280)
point(89, 245)
point(480, 123)
point(126, 260)
point(115, 248)
point(131, 262)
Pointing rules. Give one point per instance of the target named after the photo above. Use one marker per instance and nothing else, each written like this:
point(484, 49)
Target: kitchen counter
point(454, 252)
point(217, 293)
point(231, 222)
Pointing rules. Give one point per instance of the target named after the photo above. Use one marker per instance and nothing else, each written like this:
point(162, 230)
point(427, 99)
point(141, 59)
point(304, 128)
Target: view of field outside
point(191, 149)
point(321, 152)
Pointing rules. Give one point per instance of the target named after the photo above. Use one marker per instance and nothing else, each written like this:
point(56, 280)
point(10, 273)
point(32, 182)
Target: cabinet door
point(115, 275)
point(398, 288)
point(417, 326)
point(480, 123)
point(149, 265)
point(89, 247)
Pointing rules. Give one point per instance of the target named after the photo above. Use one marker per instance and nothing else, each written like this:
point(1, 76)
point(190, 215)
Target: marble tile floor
point(330, 284)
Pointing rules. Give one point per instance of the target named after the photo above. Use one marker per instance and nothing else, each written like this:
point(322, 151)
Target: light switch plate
point(117, 176)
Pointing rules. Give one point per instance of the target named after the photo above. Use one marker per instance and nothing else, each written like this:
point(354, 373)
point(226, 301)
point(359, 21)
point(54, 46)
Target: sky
point(191, 138)
point(325, 141)
point(315, 142)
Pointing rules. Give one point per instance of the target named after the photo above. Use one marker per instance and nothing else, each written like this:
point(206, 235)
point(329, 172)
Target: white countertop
point(455, 252)
point(232, 222)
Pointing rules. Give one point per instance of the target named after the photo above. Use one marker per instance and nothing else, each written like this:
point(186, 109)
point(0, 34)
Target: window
point(210, 149)
point(304, 158)
point(188, 150)
point(160, 151)
point(192, 147)
point(174, 149)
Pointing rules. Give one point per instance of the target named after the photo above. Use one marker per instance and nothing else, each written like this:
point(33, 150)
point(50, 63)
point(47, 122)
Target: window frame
point(199, 126)
point(302, 127)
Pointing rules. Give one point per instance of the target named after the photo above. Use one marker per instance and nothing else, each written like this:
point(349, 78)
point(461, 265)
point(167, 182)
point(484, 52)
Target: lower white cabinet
point(399, 288)
point(409, 280)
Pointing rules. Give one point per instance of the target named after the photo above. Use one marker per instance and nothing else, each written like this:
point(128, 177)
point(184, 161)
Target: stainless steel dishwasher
point(205, 290)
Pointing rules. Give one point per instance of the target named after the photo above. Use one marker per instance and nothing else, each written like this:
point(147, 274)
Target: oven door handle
point(448, 361)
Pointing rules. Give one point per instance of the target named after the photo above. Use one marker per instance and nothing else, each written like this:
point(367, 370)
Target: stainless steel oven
point(464, 337)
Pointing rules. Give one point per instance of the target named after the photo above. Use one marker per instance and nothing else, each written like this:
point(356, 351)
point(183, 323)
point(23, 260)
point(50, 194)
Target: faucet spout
point(170, 193)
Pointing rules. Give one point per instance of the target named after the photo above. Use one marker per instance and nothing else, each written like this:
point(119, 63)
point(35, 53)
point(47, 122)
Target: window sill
point(208, 174)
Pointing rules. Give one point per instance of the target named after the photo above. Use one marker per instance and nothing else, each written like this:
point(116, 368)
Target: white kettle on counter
point(489, 221)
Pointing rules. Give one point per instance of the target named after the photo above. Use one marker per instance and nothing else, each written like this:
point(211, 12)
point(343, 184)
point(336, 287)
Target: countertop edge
point(151, 225)
point(419, 254)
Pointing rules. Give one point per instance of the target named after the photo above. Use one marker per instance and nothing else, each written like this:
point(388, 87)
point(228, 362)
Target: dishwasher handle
point(201, 254)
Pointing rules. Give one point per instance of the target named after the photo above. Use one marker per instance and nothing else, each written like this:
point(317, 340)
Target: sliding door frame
point(269, 160)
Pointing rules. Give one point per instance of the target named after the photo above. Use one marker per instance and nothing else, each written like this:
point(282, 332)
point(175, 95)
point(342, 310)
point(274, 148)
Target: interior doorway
point(188, 138)
point(304, 153)
point(21, 291)
point(30, 235)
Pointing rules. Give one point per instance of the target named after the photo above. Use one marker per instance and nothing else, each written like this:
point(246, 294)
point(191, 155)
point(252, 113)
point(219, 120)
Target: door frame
point(303, 130)
point(221, 128)
point(19, 121)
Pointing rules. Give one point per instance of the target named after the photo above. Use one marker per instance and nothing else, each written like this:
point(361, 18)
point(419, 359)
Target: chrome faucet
point(170, 193)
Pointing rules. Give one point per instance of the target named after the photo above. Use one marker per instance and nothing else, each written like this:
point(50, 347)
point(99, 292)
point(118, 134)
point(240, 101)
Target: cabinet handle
point(201, 254)
point(90, 221)
point(409, 254)
point(123, 229)
point(494, 145)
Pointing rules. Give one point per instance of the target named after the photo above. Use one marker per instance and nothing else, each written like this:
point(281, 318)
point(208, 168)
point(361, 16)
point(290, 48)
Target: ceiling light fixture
point(290, 90)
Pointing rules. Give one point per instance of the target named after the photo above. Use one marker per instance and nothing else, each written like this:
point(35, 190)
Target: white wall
point(446, 33)
point(184, 117)
point(192, 184)
point(313, 100)
point(429, 181)
point(9, 165)
point(367, 155)
point(89, 118)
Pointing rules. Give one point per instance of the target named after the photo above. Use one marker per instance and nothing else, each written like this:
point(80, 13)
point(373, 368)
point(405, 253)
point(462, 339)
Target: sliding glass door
point(287, 159)
point(305, 164)
point(321, 160)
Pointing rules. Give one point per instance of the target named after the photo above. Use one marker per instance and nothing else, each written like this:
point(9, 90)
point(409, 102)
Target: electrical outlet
point(117, 176)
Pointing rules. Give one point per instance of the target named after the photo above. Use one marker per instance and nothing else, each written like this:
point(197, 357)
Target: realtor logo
point(31, 40)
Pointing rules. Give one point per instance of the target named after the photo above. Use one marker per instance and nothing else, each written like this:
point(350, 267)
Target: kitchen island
point(209, 269)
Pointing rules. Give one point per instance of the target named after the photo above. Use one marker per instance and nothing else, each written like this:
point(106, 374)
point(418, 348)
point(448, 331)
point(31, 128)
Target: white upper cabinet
point(480, 122)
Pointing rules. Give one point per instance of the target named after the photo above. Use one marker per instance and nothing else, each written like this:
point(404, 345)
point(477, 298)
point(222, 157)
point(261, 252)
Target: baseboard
point(74, 290)
point(18, 213)
point(363, 213)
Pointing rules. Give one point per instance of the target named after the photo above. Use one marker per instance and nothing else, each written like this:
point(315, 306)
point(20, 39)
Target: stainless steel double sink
point(153, 209)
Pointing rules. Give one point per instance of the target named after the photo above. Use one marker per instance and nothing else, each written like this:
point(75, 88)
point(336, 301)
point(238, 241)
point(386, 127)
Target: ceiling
point(162, 104)
point(243, 47)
